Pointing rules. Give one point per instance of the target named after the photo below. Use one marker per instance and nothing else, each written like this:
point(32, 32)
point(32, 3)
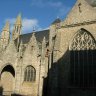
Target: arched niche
point(7, 79)
point(9, 68)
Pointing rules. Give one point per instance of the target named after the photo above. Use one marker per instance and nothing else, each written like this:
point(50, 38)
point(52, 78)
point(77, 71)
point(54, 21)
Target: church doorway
point(7, 79)
point(83, 60)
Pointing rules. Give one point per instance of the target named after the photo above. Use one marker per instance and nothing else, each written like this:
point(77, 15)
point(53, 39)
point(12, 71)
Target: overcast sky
point(38, 13)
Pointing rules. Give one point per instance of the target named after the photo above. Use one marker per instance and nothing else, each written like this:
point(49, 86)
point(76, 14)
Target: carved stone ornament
point(83, 40)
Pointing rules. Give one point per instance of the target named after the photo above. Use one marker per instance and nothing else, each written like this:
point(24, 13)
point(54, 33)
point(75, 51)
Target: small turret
point(5, 35)
point(18, 20)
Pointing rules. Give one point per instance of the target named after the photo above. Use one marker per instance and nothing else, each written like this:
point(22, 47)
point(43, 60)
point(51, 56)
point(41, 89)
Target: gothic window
point(83, 40)
point(83, 60)
point(30, 74)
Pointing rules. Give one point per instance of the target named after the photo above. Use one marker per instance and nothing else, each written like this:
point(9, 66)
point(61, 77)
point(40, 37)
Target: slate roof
point(39, 36)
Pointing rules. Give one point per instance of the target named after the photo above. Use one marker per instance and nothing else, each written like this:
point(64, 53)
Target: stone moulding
point(79, 24)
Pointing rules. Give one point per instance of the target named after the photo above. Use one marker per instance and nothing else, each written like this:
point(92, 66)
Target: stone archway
point(7, 79)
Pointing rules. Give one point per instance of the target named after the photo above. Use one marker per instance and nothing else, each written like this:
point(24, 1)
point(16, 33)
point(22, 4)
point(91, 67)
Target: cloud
point(62, 9)
point(27, 24)
point(55, 4)
point(46, 3)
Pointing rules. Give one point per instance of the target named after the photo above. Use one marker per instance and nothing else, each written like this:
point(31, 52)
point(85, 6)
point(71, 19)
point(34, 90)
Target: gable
point(82, 12)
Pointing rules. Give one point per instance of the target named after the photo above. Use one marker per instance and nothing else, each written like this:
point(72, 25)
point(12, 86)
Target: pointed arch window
point(83, 60)
point(29, 74)
point(83, 40)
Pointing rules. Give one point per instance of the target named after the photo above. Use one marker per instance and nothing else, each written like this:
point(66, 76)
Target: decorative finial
point(6, 27)
point(18, 20)
point(57, 17)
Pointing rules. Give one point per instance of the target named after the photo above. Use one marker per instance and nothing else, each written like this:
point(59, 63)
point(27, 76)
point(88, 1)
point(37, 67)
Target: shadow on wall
point(53, 83)
point(72, 75)
point(16, 95)
point(1, 91)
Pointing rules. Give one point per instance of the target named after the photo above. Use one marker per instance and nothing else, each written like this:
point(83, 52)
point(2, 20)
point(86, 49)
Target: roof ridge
point(35, 31)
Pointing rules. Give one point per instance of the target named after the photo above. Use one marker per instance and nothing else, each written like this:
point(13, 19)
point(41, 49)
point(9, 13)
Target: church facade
point(59, 61)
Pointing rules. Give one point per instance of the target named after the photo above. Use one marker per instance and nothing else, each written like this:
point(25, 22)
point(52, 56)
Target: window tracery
point(83, 41)
point(83, 60)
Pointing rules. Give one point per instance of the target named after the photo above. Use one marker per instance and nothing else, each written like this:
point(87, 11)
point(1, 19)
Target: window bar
point(74, 68)
point(78, 80)
point(92, 51)
point(83, 68)
point(88, 71)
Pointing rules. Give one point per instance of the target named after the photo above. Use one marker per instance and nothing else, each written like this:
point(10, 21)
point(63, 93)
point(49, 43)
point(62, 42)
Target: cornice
point(79, 24)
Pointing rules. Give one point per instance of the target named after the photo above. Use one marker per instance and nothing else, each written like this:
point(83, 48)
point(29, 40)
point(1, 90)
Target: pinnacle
point(18, 20)
point(6, 27)
point(33, 38)
point(44, 43)
point(44, 40)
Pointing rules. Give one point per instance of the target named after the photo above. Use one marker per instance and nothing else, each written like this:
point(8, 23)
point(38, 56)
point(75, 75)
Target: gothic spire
point(17, 28)
point(5, 35)
point(18, 20)
point(6, 31)
point(6, 27)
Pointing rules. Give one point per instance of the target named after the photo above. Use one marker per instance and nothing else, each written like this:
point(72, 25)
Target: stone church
point(59, 61)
